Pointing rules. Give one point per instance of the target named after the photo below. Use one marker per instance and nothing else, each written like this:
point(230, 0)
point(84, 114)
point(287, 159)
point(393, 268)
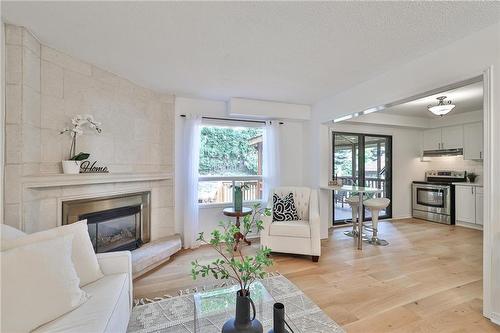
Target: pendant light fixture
point(442, 107)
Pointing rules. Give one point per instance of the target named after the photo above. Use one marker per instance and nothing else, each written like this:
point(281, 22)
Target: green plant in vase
point(233, 264)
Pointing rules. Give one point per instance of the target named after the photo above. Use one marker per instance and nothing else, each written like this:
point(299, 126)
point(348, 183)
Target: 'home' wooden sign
point(90, 167)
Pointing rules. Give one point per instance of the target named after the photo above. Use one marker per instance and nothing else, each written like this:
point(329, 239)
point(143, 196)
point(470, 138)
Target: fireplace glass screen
point(115, 229)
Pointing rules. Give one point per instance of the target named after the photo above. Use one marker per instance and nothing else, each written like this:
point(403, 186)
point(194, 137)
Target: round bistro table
point(229, 211)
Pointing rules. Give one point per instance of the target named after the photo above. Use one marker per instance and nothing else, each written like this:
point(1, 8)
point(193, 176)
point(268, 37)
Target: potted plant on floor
point(232, 264)
point(72, 165)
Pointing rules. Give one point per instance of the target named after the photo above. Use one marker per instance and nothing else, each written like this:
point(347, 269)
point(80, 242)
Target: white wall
point(2, 116)
point(458, 61)
point(406, 164)
point(264, 109)
point(291, 169)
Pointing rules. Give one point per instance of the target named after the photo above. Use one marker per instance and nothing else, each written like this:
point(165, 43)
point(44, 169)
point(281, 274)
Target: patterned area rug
point(176, 314)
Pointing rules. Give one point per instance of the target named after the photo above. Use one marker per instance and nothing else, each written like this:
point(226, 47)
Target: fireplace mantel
point(60, 180)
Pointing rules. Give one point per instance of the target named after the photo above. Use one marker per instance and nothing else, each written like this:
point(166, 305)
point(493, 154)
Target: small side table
point(229, 211)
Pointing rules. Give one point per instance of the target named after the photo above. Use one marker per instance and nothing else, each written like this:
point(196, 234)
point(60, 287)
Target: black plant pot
point(243, 323)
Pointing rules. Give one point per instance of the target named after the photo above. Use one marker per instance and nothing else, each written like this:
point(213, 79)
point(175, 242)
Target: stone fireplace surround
point(44, 197)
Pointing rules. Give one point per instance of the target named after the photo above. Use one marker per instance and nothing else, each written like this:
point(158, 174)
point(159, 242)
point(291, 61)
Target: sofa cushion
point(290, 229)
point(9, 232)
point(105, 311)
point(83, 254)
point(39, 284)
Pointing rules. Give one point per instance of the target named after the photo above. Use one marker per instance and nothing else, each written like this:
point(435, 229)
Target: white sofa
point(298, 237)
point(110, 304)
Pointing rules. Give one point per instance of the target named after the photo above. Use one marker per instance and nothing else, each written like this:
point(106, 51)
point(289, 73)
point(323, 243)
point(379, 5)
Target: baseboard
point(469, 225)
point(401, 217)
point(495, 318)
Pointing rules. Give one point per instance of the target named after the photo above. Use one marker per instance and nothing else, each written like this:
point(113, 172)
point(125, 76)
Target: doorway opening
point(362, 160)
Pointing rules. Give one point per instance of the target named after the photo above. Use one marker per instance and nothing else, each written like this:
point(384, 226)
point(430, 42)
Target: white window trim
point(228, 178)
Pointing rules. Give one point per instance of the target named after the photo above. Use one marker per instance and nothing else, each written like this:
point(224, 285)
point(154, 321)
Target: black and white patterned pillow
point(284, 208)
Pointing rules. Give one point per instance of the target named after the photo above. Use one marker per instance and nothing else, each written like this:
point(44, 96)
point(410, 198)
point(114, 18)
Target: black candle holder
point(279, 321)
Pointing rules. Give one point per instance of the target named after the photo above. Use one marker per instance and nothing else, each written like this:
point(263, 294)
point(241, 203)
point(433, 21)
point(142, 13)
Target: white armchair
point(298, 237)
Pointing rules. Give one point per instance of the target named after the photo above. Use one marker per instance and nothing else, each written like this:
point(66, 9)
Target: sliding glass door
point(363, 160)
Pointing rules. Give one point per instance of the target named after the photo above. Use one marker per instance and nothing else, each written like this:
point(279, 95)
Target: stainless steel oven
point(432, 202)
point(434, 198)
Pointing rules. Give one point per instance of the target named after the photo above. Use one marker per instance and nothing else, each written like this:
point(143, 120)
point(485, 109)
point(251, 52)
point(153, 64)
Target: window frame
point(233, 179)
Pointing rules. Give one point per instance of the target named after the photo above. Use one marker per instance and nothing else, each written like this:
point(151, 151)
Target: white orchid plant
point(78, 122)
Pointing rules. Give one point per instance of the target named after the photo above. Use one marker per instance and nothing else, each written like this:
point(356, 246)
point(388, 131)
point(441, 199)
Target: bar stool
point(353, 201)
point(375, 205)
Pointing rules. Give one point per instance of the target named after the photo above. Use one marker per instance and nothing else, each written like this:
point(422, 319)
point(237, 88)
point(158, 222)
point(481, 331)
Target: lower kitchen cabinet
point(469, 205)
point(479, 205)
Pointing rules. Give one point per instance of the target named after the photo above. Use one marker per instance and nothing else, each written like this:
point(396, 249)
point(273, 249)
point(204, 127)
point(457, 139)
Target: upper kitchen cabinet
point(473, 141)
point(444, 138)
point(452, 137)
point(432, 139)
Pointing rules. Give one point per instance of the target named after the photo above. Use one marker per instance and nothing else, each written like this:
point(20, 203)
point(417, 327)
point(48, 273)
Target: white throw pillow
point(83, 254)
point(39, 284)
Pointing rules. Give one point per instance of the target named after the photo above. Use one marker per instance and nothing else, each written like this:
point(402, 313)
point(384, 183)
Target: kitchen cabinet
point(479, 205)
point(473, 141)
point(465, 204)
point(444, 138)
point(432, 139)
point(469, 204)
point(452, 137)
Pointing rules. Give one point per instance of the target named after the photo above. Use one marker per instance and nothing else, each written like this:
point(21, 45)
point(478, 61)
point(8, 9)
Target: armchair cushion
point(290, 229)
point(284, 208)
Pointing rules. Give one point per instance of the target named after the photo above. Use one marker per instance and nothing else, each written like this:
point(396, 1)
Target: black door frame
point(361, 168)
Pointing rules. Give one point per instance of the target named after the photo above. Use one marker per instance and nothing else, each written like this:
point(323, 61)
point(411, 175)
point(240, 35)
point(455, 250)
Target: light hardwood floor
point(429, 279)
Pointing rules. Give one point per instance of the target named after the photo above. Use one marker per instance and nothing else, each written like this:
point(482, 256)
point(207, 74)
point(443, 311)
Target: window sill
point(227, 205)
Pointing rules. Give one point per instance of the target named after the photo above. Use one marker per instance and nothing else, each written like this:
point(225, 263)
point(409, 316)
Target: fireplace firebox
point(114, 223)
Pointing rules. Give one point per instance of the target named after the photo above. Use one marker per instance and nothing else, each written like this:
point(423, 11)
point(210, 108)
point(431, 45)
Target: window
point(229, 155)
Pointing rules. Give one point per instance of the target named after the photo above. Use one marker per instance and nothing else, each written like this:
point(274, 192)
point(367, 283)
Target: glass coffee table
point(213, 308)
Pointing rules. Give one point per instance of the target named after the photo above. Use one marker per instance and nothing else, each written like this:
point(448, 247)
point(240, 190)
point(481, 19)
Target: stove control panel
point(445, 174)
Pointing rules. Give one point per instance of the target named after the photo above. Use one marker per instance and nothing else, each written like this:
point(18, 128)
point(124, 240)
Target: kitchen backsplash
point(456, 163)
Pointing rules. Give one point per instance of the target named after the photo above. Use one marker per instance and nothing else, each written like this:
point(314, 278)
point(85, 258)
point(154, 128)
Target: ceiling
point(467, 98)
point(294, 52)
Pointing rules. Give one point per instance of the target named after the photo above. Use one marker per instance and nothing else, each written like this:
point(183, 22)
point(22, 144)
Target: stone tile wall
point(45, 88)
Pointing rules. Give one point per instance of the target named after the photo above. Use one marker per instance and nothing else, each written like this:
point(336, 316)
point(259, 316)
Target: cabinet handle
point(481, 155)
point(472, 189)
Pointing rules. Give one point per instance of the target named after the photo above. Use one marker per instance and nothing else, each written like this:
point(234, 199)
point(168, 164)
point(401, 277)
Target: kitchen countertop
point(468, 184)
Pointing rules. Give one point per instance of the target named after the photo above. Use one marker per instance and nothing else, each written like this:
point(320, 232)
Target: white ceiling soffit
point(296, 52)
point(468, 98)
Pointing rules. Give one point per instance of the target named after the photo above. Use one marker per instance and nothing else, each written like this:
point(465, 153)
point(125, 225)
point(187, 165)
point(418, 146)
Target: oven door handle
point(431, 187)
